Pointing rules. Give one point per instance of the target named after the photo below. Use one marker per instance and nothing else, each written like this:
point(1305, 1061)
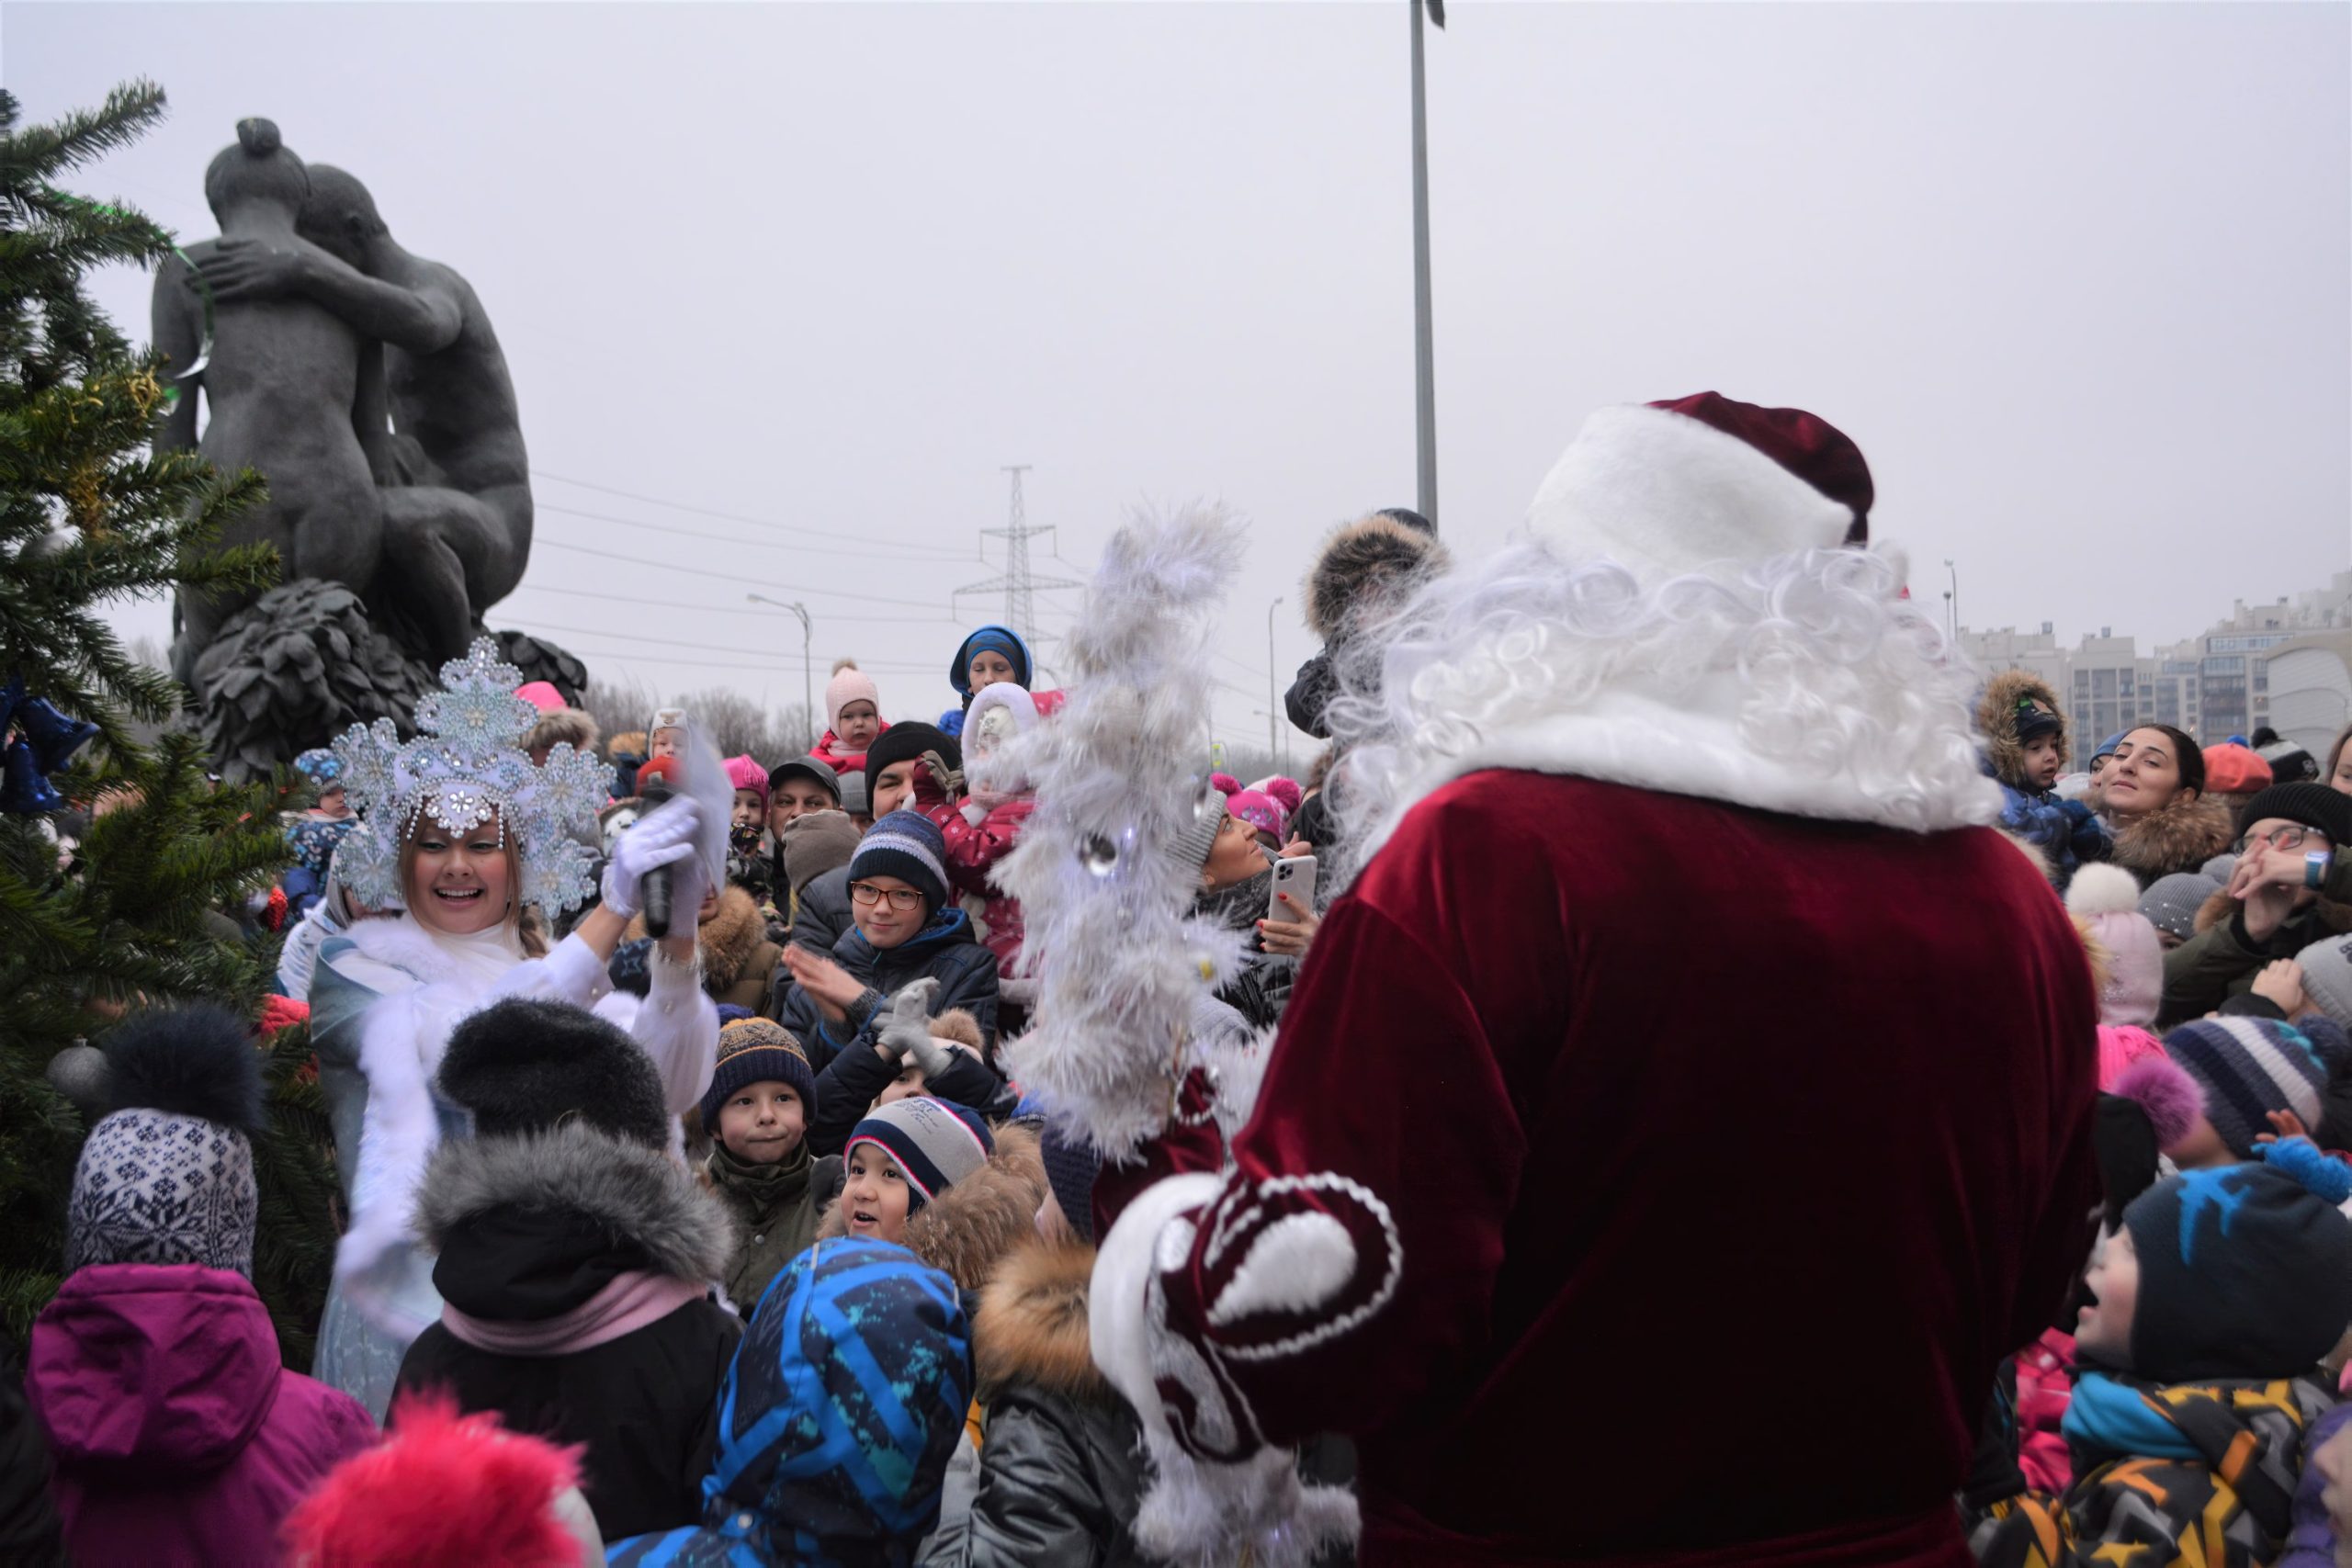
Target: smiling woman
point(464, 883)
point(461, 836)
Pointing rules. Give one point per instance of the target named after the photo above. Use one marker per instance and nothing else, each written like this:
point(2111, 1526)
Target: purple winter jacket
point(177, 1437)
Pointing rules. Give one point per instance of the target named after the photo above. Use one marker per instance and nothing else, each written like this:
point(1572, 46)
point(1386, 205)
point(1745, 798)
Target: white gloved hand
point(664, 836)
point(908, 1029)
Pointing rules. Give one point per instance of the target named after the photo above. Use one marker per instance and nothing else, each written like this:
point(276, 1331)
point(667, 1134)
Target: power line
point(886, 667)
point(793, 547)
point(731, 578)
point(703, 609)
point(725, 517)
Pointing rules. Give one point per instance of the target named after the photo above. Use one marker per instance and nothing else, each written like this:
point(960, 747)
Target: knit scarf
point(630, 1302)
point(765, 1188)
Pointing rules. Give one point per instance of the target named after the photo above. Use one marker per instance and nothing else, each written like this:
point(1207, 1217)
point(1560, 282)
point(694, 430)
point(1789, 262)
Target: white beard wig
point(1797, 683)
point(1107, 868)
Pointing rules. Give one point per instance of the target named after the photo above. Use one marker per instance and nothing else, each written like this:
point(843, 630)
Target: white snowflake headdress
point(466, 767)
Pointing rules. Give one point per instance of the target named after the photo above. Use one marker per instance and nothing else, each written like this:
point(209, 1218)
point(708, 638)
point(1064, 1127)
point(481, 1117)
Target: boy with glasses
point(2274, 905)
point(905, 930)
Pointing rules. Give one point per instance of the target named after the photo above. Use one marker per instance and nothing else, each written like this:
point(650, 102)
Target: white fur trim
point(2099, 888)
point(1118, 1326)
point(1664, 493)
point(1295, 1264)
point(1195, 1511)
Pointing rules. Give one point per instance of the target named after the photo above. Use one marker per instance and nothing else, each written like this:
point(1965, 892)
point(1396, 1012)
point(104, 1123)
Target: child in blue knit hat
point(2208, 1312)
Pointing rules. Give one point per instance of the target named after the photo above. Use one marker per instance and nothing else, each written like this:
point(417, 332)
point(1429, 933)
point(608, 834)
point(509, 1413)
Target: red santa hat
point(1676, 486)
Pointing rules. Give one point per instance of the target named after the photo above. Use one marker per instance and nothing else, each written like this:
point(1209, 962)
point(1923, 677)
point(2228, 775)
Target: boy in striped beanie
point(905, 1155)
point(2250, 1070)
point(757, 1111)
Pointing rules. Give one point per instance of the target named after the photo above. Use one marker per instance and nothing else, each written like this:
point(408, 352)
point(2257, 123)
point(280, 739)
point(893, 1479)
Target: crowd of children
point(829, 1302)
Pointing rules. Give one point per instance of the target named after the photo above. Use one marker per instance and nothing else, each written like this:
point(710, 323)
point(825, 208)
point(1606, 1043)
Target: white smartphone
point(1294, 876)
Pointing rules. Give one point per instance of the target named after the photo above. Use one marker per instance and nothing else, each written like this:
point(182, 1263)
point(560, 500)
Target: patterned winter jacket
point(2188, 1474)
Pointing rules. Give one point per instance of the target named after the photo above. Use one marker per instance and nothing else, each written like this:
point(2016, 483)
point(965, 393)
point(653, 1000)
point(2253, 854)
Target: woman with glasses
point(905, 930)
point(2274, 906)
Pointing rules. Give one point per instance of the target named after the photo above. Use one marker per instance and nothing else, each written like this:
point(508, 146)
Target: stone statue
point(457, 507)
point(284, 386)
point(366, 385)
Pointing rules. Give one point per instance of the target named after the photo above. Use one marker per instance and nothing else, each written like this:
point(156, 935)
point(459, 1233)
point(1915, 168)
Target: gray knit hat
point(1191, 845)
point(2171, 902)
point(2328, 977)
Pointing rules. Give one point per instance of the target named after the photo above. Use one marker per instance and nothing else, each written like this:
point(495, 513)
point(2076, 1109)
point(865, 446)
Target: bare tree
point(736, 725)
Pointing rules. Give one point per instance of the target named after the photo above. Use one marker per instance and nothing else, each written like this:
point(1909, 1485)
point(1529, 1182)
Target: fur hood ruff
point(967, 1231)
point(2179, 838)
point(1996, 721)
point(1031, 1326)
point(640, 1195)
point(726, 940)
point(1362, 563)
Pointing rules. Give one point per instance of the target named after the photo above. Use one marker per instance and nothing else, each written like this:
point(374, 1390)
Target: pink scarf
point(626, 1305)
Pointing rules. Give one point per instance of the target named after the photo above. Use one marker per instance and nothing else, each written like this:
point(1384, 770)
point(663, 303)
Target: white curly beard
point(1801, 683)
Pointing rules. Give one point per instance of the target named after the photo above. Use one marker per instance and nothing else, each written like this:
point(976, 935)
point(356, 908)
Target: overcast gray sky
point(2075, 276)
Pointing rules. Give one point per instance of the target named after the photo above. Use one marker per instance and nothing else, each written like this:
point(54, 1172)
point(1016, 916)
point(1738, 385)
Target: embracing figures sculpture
point(367, 385)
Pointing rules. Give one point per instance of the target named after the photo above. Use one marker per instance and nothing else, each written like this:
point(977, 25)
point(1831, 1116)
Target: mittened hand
point(908, 1029)
point(664, 836)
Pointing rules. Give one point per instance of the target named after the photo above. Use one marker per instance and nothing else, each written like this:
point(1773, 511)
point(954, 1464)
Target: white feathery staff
point(1104, 870)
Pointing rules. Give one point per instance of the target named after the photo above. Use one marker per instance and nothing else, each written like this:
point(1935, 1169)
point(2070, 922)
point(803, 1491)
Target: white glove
point(908, 1029)
point(665, 836)
point(974, 813)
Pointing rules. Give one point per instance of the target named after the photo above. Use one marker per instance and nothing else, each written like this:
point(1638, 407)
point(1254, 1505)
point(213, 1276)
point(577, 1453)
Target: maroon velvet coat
point(1727, 1154)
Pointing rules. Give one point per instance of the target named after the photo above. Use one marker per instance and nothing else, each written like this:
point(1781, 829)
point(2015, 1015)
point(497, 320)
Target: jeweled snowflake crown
point(466, 767)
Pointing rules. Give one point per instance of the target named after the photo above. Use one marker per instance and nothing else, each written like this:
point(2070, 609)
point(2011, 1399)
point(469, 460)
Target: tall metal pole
point(807, 664)
point(1424, 369)
point(1953, 594)
point(1273, 744)
point(807, 681)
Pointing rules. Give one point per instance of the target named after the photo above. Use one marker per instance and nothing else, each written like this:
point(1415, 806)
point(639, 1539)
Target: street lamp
point(808, 668)
point(1273, 745)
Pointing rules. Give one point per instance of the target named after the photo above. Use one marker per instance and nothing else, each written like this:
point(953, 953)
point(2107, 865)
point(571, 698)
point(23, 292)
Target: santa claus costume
point(1688, 1104)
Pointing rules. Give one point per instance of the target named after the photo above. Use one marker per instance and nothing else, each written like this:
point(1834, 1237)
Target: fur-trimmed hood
point(1370, 560)
point(1031, 1326)
point(1996, 721)
point(969, 1229)
point(640, 1195)
point(2179, 838)
point(728, 941)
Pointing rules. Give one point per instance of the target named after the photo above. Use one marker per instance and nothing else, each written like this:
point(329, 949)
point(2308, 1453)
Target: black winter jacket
point(1060, 1475)
point(529, 1228)
point(943, 951)
point(851, 1080)
point(822, 916)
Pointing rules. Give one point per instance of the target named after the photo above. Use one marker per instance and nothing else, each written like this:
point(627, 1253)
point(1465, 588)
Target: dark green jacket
point(2222, 961)
point(775, 1219)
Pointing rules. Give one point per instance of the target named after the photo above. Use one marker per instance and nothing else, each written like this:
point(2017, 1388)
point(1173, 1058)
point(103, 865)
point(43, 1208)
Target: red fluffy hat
point(1675, 487)
point(446, 1488)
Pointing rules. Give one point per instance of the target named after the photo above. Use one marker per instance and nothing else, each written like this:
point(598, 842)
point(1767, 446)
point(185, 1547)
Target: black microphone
point(654, 892)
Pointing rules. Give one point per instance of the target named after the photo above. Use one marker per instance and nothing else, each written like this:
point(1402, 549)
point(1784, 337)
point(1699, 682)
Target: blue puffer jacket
point(2065, 831)
point(943, 951)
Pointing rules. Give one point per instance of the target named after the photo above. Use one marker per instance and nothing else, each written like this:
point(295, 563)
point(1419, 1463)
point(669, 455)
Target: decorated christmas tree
point(121, 865)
